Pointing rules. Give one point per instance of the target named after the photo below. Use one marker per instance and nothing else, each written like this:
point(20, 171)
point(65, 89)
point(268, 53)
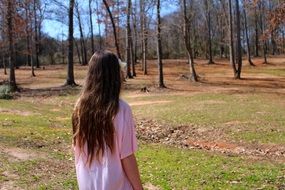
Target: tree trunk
point(28, 37)
point(231, 41)
point(36, 36)
point(32, 64)
point(82, 41)
point(283, 41)
point(91, 28)
point(99, 26)
point(159, 47)
point(247, 38)
point(10, 15)
point(207, 6)
point(144, 36)
point(262, 26)
point(62, 49)
point(239, 54)
point(114, 28)
point(187, 41)
point(256, 34)
point(4, 64)
point(135, 32)
point(132, 49)
point(128, 42)
point(70, 73)
point(78, 53)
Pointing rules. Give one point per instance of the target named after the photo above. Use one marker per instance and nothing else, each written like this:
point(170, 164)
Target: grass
point(170, 168)
point(41, 126)
point(248, 117)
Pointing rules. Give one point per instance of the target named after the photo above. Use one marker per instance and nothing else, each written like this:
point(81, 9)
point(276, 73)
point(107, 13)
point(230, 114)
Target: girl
point(104, 133)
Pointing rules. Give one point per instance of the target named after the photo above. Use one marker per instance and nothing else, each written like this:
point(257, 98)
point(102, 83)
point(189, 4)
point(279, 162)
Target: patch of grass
point(170, 168)
point(277, 72)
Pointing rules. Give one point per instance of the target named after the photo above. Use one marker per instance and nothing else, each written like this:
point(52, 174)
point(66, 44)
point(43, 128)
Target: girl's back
point(108, 172)
point(103, 130)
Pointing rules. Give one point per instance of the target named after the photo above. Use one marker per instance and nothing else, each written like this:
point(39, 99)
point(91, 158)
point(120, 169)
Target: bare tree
point(159, 47)
point(262, 27)
point(143, 36)
point(129, 41)
point(246, 35)
point(82, 40)
point(239, 53)
point(36, 33)
point(208, 8)
point(99, 25)
point(187, 41)
point(70, 73)
point(91, 26)
point(10, 17)
point(256, 32)
point(114, 28)
point(231, 41)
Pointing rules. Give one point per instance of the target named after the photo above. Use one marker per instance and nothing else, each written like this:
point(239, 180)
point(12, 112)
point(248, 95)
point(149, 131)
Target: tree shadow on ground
point(48, 92)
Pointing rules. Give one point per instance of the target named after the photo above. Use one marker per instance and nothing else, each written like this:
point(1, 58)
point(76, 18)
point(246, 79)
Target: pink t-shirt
point(108, 174)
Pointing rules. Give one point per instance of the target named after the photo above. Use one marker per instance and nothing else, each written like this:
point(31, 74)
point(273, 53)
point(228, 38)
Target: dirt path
point(194, 137)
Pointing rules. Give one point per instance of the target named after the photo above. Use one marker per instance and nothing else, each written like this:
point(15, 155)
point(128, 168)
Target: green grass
point(42, 125)
point(171, 168)
point(273, 71)
point(248, 117)
point(165, 167)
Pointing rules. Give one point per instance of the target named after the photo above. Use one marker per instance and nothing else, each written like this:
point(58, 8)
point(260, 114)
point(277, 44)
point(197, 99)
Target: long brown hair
point(92, 119)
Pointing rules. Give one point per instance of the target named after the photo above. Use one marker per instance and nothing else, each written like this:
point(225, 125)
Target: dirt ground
point(216, 77)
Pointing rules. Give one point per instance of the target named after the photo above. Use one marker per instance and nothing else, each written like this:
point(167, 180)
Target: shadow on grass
point(50, 91)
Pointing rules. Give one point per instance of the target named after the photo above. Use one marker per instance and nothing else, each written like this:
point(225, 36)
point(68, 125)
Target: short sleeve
point(129, 140)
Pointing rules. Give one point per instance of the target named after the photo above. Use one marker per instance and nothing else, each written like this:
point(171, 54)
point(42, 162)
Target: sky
point(59, 31)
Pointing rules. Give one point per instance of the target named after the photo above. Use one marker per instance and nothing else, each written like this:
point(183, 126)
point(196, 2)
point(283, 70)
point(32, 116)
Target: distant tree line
point(137, 31)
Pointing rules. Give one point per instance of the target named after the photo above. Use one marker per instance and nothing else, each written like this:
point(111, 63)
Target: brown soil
point(16, 112)
point(149, 186)
point(18, 154)
point(214, 78)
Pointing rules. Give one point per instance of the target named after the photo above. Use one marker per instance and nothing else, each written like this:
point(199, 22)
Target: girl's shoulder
point(124, 106)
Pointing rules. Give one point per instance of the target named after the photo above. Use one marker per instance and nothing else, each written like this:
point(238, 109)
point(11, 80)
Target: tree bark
point(208, 12)
point(159, 47)
point(135, 33)
point(70, 73)
point(114, 28)
point(186, 32)
point(99, 26)
point(91, 28)
point(247, 38)
point(10, 15)
point(262, 26)
point(231, 41)
point(239, 54)
point(128, 42)
point(82, 41)
point(36, 36)
point(28, 37)
point(144, 36)
point(256, 34)
point(78, 53)
point(4, 64)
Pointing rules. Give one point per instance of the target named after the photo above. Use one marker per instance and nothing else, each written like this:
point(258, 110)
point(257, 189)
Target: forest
point(136, 31)
point(205, 80)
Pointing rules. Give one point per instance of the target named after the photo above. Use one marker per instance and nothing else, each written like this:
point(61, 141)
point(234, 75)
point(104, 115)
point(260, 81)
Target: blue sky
point(58, 30)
